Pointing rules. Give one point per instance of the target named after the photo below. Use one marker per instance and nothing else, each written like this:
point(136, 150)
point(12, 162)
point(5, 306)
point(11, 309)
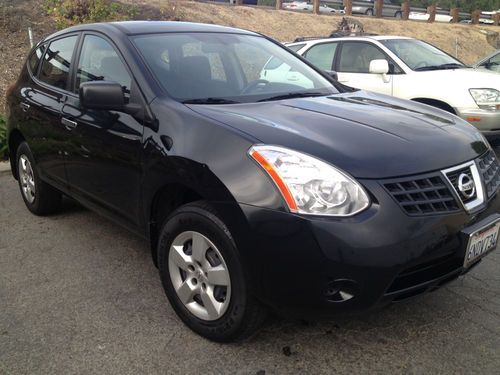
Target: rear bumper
point(298, 264)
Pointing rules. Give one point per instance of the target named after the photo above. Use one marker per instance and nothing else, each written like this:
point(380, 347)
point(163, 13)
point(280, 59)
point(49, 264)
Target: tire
point(40, 198)
point(369, 12)
point(234, 314)
point(398, 15)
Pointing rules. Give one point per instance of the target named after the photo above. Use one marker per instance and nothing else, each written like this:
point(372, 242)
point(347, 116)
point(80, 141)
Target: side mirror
point(379, 67)
point(332, 74)
point(102, 95)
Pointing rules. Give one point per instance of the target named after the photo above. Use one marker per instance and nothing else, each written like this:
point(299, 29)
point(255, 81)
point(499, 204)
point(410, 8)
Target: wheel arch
point(436, 103)
point(15, 139)
point(166, 197)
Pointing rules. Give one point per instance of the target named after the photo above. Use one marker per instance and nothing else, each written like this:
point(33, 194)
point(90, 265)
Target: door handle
point(69, 124)
point(24, 107)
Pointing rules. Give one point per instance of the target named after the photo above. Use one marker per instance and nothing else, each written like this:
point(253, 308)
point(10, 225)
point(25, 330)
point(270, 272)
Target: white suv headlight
point(486, 98)
point(309, 185)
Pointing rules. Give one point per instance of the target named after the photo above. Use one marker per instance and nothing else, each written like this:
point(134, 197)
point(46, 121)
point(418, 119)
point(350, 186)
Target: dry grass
point(17, 15)
point(286, 26)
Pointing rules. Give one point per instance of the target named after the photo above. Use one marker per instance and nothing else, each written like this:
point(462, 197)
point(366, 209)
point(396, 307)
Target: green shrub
point(3, 139)
point(71, 12)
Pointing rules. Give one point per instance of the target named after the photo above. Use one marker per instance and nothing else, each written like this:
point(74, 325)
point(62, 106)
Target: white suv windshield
point(218, 68)
point(421, 56)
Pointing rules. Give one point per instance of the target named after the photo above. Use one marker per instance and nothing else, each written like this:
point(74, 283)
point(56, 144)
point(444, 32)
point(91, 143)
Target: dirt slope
point(17, 15)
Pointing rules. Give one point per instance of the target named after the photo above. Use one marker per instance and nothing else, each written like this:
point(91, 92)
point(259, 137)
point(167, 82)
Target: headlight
point(486, 98)
point(309, 185)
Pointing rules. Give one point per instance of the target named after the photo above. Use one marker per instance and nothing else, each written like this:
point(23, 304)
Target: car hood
point(366, 134)
point(465, 77)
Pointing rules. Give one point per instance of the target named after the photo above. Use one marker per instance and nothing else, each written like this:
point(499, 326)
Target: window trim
point(390, 60)
point(71, 64)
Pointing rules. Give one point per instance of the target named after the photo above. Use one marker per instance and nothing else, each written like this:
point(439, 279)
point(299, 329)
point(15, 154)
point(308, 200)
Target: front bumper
point(488, 122)
point(298, 263)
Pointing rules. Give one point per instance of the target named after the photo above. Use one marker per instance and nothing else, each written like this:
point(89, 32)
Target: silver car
point(390, 9)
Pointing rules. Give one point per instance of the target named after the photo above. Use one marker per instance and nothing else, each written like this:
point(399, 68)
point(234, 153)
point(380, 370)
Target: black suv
point(255, 192)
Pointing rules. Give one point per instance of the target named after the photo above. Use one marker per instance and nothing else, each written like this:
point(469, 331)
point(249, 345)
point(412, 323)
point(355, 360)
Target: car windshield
point(421, 56)
point(224, 68)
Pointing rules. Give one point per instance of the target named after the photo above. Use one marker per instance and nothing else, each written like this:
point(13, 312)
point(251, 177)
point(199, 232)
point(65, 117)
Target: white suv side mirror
point(379, 67)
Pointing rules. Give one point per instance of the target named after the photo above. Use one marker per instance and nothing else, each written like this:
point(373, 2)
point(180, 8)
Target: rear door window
point(322, 55)
point(56, 62)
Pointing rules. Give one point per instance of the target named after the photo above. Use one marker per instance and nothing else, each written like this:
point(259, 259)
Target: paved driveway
point(79, 295)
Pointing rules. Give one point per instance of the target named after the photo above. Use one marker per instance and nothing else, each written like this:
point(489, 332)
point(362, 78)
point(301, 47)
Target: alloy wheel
point(199, 275)
point(27, 179)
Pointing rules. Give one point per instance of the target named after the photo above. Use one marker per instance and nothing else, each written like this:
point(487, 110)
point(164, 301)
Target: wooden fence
point(405, 10)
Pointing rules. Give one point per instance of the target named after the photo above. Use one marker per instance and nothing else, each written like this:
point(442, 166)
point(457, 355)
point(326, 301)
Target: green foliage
point(3, 139)
point(71, 12)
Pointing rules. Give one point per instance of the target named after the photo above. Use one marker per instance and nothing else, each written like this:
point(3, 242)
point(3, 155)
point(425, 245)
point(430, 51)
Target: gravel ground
point(80, 295)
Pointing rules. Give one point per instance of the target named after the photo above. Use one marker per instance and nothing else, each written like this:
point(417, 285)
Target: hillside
point(17, 15)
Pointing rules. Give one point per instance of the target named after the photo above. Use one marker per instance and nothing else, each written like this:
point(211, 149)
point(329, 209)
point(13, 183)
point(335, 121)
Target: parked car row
point(410, 69)
point(260, 182)
point(307, 5)
point(391, 8)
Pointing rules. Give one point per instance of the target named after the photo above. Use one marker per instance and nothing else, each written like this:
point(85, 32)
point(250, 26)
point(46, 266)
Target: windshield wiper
point(291, 95)
point(210, 101)
point(441, 67)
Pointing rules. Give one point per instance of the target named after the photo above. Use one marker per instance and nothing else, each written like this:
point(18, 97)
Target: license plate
point(481, 242)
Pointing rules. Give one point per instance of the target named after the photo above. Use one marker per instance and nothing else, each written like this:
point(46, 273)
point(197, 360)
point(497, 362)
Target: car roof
point(354, 37)
point(151, 27)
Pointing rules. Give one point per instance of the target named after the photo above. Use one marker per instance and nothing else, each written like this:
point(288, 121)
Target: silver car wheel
point(27, 179)
point(199, 275)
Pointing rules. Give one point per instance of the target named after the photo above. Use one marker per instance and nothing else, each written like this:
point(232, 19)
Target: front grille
point(454, 180)
point(490, 171)
point(422, 195)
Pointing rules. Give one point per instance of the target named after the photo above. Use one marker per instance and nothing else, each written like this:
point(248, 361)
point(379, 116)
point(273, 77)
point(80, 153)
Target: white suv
point(410, 69)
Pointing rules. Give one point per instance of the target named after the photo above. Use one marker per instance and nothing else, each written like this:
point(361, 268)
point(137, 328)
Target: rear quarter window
point(56, 62)
point(34, 59)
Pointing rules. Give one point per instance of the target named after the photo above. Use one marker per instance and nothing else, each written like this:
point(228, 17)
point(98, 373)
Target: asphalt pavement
point(80, 295)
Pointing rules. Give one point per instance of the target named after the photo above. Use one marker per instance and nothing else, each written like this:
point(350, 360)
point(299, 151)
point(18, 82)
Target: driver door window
point(100, 62)
point(354, 68)
point(356, 57)
point(493, 63)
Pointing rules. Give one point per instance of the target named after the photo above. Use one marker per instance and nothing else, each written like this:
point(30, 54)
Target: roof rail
point(340, 34)
point(305, 38)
